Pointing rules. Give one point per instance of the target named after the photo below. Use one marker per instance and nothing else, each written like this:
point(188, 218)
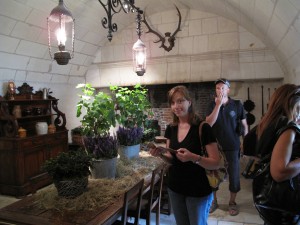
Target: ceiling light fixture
point(62, 21)
point(139, 49)
point(113, 7)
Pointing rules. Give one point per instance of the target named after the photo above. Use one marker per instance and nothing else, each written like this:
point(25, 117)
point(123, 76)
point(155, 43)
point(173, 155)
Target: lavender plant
point(105, 147)
point(129, 136)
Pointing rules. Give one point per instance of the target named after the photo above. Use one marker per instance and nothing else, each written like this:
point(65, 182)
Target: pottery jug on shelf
point(41, 128)
point(22, 132)
point(51, 129)
point(17, 111)
point(45, 93)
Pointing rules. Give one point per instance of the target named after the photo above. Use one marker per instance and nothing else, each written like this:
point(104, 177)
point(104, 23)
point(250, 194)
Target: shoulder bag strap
point(200, 137)
point(291, 125)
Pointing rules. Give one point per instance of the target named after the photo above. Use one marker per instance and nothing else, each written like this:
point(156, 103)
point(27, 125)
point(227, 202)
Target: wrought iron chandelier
point(61, 20)
point(113, 7)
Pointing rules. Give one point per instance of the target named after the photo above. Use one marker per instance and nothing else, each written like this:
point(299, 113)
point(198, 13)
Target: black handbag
point(279, 196)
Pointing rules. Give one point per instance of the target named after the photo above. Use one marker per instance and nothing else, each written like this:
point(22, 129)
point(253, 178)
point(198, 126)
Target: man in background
point(227, 118)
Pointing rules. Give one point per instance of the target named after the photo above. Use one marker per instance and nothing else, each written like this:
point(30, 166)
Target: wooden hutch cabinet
point(21, 158)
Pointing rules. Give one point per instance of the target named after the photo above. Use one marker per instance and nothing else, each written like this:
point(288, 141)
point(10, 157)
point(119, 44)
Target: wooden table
point(27, 212)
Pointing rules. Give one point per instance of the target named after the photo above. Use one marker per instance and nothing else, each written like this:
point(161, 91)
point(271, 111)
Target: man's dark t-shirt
point(225, 126)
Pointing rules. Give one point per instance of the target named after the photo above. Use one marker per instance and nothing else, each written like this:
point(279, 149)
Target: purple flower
point(129, 136)
point(102, 147)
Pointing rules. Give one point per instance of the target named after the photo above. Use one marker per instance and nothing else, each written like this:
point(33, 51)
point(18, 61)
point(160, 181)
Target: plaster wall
point(207, 47)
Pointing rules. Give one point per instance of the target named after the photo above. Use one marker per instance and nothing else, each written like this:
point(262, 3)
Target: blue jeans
point(190, 210)
point(233, 158)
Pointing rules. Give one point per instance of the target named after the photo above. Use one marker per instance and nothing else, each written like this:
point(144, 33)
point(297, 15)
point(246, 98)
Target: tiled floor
point(247, 216)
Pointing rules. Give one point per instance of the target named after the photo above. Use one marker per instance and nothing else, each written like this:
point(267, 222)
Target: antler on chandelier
point(168, 37)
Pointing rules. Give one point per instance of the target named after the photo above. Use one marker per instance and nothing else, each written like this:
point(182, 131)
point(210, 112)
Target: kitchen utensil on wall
point(249, 106)
point(262, 101)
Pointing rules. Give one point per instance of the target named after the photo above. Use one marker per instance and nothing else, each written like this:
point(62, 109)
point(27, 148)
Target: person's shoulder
point(204, 124)
point(290, 125)
point(234, 101)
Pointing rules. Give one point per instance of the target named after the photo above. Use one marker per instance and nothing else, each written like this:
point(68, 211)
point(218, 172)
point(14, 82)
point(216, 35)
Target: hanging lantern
point(139, 57)
point(61, 20)
point(139, 48)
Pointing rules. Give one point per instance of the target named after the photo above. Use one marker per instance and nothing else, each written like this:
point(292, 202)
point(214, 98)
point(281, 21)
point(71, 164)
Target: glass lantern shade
point(61, 27)
point(139, 57)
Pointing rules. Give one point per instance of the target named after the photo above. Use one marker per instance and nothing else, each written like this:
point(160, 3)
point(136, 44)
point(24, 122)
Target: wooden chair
point(152, 198)
point(134, 194)
point(165, 206)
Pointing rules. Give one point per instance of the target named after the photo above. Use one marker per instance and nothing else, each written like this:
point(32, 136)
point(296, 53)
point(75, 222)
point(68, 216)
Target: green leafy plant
point(133, 105)
point(133, 108)
point(151, 130)
point(98, 109)
point(68, 165)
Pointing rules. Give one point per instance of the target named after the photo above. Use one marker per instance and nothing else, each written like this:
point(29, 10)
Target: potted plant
point(133, 107)
point(69, 171)
point(76, 134)
point(151, 130)
point(98, 116)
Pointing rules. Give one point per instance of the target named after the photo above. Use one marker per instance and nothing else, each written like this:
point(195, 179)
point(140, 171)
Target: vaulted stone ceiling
point(23, 33)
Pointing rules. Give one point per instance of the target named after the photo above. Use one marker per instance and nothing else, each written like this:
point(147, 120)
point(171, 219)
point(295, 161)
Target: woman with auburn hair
point(188, 187)
point(278, 134)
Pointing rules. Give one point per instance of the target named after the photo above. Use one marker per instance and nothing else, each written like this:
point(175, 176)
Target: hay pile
point(101, 192)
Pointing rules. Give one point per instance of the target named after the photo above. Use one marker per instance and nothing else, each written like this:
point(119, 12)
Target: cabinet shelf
point(21, 159)
point(29, 104)
point(31, 117)
point(30, 100)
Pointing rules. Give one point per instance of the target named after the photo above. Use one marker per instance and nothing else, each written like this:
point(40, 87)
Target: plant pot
point(77, 139)
point(104, 168)
point(71, 188)
point(129, 152)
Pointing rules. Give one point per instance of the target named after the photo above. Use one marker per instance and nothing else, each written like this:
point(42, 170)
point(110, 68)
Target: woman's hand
point(185, 155)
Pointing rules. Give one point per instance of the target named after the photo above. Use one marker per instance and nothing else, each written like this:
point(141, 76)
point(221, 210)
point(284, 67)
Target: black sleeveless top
point(187, 178)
